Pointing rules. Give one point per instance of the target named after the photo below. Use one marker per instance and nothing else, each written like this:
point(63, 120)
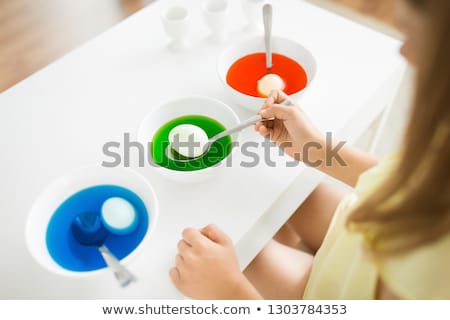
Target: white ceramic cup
point(176, 22)
point(215, 13)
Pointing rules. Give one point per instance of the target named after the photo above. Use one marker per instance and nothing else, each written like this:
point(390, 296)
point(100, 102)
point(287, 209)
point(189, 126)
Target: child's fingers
point(175, 276)
point(278, 96)
point(179, 261)
point(273, 96)
point(270, 100)
point(269, 124)
point(279, 112)
point(193, 236)
point(183, 247)
point(264, 131)
point(215, 234)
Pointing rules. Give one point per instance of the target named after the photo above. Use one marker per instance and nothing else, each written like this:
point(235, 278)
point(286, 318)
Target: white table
point(59, 118)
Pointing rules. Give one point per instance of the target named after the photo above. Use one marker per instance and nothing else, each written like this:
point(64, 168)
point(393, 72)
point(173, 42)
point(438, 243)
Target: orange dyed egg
point(244, 74)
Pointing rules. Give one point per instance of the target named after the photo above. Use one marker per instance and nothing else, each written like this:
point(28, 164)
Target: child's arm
point(294, 133)
point(348, 164)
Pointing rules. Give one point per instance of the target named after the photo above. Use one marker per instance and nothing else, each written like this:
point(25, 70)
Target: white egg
point(270, 82)
point(118, 215)
point(188, 140)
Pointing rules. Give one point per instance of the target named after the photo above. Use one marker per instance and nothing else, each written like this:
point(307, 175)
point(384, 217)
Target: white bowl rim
point(56, 185)
point(176, 99)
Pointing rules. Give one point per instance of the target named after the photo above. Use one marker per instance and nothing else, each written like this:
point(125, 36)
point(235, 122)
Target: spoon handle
point(122, 274)
point(267, 18)
point(239, 127)
point(251, 121)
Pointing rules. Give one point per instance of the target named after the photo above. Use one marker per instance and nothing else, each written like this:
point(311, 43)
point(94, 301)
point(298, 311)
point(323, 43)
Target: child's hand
point(207, 267)
point(290, 130)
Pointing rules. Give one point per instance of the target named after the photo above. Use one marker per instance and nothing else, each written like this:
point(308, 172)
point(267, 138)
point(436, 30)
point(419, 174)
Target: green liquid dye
point(219, 150)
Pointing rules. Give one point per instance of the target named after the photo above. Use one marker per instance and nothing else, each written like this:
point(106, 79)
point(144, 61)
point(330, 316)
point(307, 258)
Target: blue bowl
point(73, 256)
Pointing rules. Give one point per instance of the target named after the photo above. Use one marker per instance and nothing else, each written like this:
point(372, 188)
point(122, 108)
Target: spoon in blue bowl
point(92, 228)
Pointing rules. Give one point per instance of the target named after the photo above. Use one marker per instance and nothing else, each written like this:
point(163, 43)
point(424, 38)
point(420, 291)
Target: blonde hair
point(412, 208)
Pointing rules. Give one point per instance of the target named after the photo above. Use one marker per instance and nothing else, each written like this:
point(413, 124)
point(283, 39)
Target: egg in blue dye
point(73, 256)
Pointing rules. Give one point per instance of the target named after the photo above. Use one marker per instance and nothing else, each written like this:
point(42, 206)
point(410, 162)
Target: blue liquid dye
point(71, 255)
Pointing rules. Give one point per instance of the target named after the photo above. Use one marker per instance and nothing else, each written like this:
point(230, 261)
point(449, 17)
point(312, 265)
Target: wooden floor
point(34, 33)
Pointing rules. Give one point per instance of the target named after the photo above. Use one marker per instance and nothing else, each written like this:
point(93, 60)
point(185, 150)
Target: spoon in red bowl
point(267, 19)
point(270, 81)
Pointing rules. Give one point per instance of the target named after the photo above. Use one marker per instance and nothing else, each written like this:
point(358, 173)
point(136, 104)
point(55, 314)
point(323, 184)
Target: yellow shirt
point(343, 270)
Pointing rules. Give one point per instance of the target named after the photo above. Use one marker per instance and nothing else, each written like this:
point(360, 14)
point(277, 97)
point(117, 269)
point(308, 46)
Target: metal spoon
point(88, 229)
point(253, 120)
point(174, 155)
point(267, 18)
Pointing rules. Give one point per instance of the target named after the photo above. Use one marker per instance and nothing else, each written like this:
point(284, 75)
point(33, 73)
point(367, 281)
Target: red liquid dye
point(244, 74)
